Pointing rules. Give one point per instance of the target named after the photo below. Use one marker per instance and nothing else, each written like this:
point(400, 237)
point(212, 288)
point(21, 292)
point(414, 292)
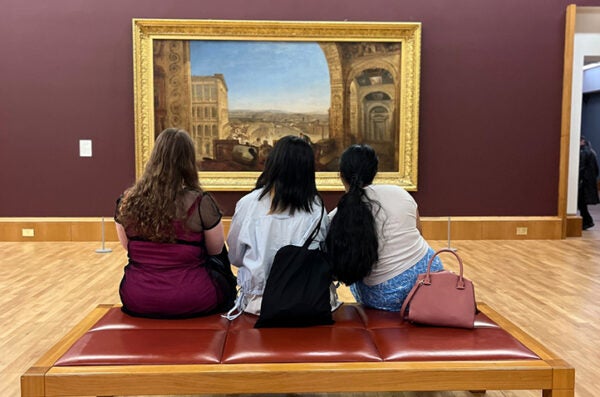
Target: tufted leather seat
point(358, 335)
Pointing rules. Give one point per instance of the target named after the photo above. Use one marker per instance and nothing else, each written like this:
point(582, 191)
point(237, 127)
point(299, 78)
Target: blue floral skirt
point(390, 294)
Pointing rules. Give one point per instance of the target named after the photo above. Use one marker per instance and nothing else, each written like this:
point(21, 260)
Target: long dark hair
point(352, 241)
point(149, 207)
point(289, 176)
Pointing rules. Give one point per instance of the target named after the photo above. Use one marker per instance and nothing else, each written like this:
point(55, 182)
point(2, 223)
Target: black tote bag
point(297, 289)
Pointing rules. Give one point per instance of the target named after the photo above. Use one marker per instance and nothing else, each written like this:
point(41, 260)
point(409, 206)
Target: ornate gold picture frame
point(238, 86)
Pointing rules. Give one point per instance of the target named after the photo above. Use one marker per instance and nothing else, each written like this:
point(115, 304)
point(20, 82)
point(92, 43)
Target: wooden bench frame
point(552, 375)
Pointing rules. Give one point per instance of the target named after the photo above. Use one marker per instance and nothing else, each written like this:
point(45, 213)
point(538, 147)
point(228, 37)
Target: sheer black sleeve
point(210, 213)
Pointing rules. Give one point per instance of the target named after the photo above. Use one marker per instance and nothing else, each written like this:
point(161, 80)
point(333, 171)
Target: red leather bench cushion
point(150, 347)
point(296, 345)
point(442, 344)
point(359, 335)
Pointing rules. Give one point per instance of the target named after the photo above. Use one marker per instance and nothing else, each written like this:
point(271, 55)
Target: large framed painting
point(239, 86)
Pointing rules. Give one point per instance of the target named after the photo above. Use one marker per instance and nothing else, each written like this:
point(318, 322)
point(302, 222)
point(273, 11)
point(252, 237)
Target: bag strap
point(461, 281)
point(315, 231)
point(408, 299)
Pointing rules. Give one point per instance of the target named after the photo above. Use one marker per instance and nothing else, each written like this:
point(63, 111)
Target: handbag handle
point(461, 281)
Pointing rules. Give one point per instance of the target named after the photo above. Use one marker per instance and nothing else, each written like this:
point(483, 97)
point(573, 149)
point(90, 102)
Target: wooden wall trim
point(493, 228)
point(461, 228)
point(57, 229)
point(565, 126)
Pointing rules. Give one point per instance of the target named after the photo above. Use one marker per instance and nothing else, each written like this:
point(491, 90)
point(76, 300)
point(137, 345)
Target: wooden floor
point(549, 288)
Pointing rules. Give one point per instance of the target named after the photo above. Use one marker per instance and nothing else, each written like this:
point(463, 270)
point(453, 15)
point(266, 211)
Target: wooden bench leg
point(563, 380)
point(32, 382)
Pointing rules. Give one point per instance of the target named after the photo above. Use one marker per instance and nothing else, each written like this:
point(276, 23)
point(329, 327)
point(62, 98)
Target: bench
point(109, 353)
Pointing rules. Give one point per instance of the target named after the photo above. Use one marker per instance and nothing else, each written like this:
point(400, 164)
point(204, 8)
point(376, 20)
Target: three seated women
point(169, 227)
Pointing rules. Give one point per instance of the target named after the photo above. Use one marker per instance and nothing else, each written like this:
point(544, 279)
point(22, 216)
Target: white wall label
point(85, 148)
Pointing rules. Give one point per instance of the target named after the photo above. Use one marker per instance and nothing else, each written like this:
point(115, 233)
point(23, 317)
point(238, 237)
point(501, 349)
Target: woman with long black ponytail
point(374, 241)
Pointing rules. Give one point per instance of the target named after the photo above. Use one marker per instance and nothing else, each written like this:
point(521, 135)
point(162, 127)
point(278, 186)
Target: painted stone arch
point(372, 98)
point(336, 110)
point(365, 113)
point(378, 109)
point(380, 89)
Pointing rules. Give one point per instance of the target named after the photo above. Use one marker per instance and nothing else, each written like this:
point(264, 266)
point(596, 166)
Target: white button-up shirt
point(255, 236)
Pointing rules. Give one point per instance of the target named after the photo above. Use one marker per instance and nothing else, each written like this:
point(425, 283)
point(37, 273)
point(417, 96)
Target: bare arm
point(214, 239)
point(122, 235)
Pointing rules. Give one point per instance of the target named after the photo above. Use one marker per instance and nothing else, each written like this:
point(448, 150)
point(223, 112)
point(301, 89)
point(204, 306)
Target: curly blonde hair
point(150, 206)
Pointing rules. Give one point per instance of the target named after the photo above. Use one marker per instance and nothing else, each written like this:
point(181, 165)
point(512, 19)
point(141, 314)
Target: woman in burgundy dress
point(169, 227)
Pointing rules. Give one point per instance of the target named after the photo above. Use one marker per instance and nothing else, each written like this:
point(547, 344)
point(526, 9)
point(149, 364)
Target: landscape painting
point(238, 96)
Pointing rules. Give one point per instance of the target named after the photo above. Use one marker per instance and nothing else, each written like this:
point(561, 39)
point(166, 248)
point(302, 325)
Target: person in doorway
point(588, 182)
point(169, 226)
point(374, 241)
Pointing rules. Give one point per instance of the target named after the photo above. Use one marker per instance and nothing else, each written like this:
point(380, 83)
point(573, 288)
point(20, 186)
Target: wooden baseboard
point(493, 228)
point(56, 229)
point(574, 226)
point(461, 228)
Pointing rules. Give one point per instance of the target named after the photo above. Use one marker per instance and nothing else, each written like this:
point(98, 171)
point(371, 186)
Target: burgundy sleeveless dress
point(168, 280)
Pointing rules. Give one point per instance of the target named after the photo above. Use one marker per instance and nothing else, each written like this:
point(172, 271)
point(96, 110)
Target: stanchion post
point(103, 250)
point(449, 246)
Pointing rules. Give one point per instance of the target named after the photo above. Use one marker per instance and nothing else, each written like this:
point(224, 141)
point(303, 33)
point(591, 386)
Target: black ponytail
point(352, 240)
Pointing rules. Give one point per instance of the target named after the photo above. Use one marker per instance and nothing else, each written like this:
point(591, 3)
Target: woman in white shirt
point(283, 209)
point(374, 241)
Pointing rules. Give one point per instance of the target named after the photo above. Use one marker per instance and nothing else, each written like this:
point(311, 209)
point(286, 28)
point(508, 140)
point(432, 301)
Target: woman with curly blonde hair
point(169, 226)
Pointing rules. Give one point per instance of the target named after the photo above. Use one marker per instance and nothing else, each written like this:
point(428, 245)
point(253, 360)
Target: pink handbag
point(442, 299)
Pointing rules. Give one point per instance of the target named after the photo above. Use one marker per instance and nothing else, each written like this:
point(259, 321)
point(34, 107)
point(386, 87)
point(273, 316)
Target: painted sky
point(260, 75)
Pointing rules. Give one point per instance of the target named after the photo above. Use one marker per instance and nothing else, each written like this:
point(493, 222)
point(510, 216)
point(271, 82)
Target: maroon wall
point(490, 98)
